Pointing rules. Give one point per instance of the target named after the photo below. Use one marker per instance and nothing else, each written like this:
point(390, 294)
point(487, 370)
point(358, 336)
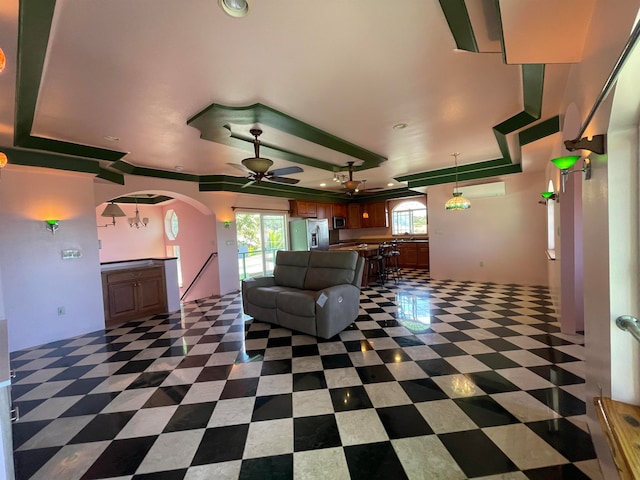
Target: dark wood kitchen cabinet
point(133, 293)
point(377, 214)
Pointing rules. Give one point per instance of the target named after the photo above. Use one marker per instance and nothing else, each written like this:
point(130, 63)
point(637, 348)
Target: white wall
point(36, 280)
point(506, 234)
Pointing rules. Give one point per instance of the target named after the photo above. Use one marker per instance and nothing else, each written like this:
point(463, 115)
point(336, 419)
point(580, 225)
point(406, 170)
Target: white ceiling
point(139, 69)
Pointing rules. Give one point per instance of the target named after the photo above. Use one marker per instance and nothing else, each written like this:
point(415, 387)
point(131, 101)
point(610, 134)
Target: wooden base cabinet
point(414, 255)
point(133, 293)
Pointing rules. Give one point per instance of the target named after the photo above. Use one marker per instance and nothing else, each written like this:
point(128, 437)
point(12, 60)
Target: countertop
point(362, 247)
point(139, 263)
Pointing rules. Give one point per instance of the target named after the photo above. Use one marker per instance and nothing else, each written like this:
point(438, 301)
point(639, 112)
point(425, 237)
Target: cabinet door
point(302, 208)
point(377, 214)
point(354, 216)
point(423, 255)
point(408, 255)
point(338, 210)
point(150, 294)
point(323, 210)
point(122, 299)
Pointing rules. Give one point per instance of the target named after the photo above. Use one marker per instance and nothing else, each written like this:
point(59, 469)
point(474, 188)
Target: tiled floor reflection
point(435, 380)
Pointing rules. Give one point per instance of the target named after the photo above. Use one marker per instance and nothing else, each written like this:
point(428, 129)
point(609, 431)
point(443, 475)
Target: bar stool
point(394, 262)
point(381, 258)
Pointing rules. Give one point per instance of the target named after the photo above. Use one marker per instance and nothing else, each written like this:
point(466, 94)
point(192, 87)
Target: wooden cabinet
point(133, 293)
point(354, 216)
point(303, 208)
point(414, 254)
point(377, 214)
point(323, 210)
point(338, 210)
point(423, 255)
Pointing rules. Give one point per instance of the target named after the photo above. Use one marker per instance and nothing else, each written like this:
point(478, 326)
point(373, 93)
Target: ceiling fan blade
point(284, 171)
point(290, 181)
point(250, 182)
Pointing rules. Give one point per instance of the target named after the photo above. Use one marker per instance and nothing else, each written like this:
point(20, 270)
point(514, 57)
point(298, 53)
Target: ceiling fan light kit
point(258, 167)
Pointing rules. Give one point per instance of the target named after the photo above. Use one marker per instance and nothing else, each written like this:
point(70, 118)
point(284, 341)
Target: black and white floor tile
point(435, 380)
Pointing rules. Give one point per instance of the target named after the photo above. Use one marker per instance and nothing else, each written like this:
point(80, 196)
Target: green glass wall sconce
point(227, 224)
point(565, 163)
point(546, 196)
point(52, 226)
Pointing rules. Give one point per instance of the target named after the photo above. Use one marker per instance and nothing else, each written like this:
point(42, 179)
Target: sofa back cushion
point(291, 268)
point(327, 269)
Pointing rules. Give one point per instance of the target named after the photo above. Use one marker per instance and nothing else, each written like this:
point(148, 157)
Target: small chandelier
point(457, 201)
point(136, 221)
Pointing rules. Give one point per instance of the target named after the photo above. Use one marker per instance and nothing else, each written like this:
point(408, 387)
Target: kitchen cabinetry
point(414, 254)
point(354, 216)
point(338, 210)
point(303, 208)
point(133, 293)
point(323, 210)
point(377, 214)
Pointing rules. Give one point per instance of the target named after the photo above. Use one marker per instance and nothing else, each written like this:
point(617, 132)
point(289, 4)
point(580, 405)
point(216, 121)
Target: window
point(259, 237)
point(409, 217)
point(171, 224)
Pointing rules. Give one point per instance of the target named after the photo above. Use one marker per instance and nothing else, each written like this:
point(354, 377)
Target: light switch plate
point(71, 253)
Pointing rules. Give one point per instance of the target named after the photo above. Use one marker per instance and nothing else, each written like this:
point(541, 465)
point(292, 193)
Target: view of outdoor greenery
point(259, 237)
point(409, 217)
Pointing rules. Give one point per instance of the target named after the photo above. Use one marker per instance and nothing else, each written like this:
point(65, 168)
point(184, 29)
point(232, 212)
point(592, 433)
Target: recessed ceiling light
point(399, 126)
point(323, 184)
point(234, 8)
point(178, 168)
point(111, 138)
point(389, 184)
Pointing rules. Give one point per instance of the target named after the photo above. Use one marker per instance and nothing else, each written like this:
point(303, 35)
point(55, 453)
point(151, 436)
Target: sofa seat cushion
point(301, 303)
point(266, 297)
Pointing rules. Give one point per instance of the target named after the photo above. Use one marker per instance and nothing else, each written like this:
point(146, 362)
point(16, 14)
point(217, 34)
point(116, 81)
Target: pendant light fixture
point(136, 221)
point(457, 201)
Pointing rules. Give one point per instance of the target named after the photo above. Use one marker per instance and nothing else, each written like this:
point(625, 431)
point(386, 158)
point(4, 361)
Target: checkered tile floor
point(435, 380)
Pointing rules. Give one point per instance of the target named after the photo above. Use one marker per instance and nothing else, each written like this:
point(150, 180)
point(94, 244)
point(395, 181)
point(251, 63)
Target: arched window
point(171, 224)
point(410, 218)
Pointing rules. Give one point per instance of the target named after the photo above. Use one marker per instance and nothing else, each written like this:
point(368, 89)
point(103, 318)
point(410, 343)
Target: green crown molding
point(214, 122)
point(214, 125)
point(142, 200)
point(457, 16)
point(33, 36)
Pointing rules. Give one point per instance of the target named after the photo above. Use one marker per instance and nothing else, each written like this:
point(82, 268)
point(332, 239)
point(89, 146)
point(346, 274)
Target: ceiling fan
point(354, 186)
point(258, 167)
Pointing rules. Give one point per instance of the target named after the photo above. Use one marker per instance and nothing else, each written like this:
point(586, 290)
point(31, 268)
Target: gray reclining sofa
point(314, 292)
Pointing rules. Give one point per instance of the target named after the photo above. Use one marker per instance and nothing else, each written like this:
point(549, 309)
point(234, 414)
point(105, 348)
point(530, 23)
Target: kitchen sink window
point(409, 218)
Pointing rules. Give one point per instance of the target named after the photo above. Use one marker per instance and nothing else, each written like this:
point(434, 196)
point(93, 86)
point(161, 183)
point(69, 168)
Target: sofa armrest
point(336, 308)
point(252, 282)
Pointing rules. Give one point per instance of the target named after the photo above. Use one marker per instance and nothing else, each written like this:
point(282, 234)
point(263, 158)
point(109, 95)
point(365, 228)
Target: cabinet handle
point(15, 414)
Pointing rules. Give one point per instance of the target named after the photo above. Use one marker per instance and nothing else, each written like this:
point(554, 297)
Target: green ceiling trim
point(471, 175)
point(457, 16)
point(51, 160)
point(540, 130)
point(110, 176)
point(33, 36)
point(130, 169)
point(142, 200)
point(214, 125)
point(502, 42)
point(383, 195)
point(451, 170)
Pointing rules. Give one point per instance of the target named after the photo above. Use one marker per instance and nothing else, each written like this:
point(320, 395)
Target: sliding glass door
point(260, 236)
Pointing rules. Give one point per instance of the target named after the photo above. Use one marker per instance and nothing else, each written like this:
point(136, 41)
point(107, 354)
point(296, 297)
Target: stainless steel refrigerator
point(309, 234)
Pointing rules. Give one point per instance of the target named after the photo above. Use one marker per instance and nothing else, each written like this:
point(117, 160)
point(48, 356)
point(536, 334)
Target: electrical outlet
point(61, 311)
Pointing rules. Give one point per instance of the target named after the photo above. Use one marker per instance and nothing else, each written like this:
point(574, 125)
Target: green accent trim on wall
point(214, 125)
point(51, 160)
point(33, 36)
point(540, 130)
point(457, 16)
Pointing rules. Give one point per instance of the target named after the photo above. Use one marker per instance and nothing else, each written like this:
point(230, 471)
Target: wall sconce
point(546, 196)
point(565, 164)
point(52, 226)
point(3, 160)
point(227, 224)
point(595, 144)
point(112, 210)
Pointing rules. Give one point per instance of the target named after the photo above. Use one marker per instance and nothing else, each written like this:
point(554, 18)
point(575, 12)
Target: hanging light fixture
point(136, 221)
point(457, 201)
point(112, 210)
point(3, 60)
point(3, 161)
